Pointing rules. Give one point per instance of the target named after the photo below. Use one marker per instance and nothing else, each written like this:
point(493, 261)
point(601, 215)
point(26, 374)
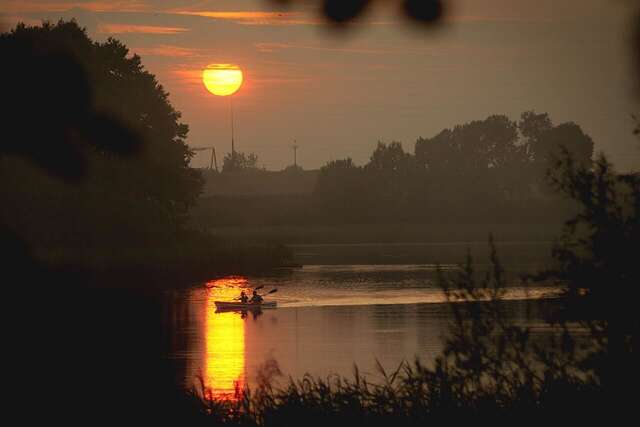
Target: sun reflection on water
point(225, 341)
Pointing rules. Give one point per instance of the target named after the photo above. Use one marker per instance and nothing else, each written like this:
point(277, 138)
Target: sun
point(222, 79)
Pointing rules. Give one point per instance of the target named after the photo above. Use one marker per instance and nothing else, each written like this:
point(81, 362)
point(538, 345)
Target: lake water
point(329, 317)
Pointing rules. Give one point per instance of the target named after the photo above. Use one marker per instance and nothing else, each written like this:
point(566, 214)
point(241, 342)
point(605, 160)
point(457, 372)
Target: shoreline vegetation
point(171, 266)
point(359, 233)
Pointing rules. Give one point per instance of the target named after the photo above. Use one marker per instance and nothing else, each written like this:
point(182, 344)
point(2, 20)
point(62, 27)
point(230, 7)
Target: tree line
point(486, 171)
point(484, 168)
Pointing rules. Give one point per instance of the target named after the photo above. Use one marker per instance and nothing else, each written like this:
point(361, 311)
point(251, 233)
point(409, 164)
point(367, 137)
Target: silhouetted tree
point(239, 161)
point(481, 159)
point(92, 152)
point(293, 169)
point(96, 101)
point(389, 158)
point(532, 126)
point(597, 263)
point(543, 143)
point(566, 136)
point(388, 174)
point(476, 146)
point(46, 120)
point(492, 169)
point(340, 190)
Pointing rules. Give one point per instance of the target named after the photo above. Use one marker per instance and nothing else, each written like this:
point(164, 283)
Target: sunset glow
point(222, 79)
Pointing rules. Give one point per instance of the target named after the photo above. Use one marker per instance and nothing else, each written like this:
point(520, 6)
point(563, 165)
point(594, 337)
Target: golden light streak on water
point(224, 371)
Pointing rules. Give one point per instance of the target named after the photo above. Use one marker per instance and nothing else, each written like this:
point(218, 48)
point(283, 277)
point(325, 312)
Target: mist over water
point(342, 285)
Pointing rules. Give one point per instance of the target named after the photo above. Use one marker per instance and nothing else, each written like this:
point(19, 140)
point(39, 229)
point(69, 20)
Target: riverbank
point(389, 233)
point(189, 259)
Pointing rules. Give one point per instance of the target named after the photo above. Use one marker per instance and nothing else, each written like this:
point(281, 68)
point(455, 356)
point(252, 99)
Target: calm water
point(329, 318)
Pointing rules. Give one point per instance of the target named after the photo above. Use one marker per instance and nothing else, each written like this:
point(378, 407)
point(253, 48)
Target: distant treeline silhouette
point(239, 161)
point(483, 168)
point(491, 170)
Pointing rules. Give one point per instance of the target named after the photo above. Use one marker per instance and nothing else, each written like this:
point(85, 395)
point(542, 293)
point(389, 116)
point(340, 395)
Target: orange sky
point(337, 94)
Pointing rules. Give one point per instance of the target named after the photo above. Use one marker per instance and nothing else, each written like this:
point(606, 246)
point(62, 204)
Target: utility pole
point(295, 154)
point(213, 159)
point(233, 148)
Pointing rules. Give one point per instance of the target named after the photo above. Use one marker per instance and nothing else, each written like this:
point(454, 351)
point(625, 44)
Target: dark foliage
point(492, 169)
point(40, 71)
point(597, 263)
point(485, 171)
point(239, 161)
point(343, 12)
point(91, 114)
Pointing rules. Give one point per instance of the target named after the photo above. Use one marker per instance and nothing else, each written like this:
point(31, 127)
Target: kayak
point(230, 305)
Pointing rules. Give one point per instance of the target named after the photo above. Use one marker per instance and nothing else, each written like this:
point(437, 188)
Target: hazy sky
point(338, 94)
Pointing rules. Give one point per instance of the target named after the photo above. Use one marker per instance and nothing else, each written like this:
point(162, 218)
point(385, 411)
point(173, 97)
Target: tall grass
point(412, 394)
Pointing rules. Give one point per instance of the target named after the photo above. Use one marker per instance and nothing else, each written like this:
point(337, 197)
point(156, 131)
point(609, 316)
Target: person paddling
point(256, 298)
point(243, 297)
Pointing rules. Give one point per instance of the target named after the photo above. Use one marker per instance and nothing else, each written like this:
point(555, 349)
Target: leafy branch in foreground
point(597, 261)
